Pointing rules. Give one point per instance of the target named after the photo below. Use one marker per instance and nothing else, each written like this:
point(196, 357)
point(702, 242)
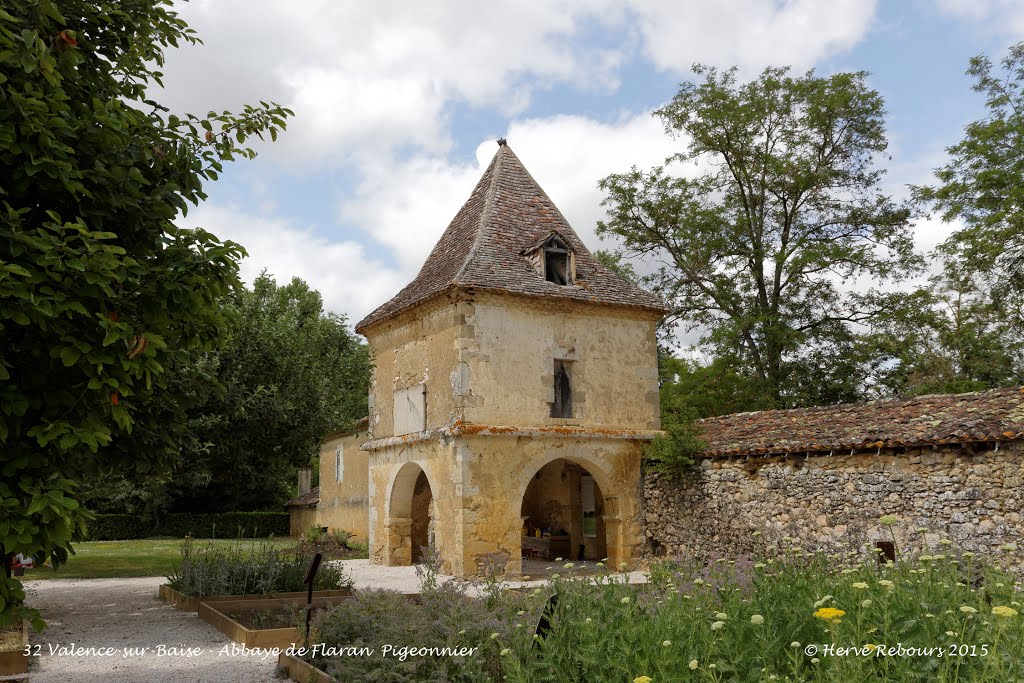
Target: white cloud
point(367, 78)
point(1002, 16)
point(350, 282)
point(751, 34)
point(406, 205)
point(364, 78)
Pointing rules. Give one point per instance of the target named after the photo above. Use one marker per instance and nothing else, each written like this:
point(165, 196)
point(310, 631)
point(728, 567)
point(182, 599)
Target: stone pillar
point(398, 552)
point(618, 550)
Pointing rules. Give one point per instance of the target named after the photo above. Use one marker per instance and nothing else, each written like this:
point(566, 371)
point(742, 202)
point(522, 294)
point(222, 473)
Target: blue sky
point(398, 104)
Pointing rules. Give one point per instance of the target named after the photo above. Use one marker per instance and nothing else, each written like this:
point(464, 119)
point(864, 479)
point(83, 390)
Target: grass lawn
point(144, 557)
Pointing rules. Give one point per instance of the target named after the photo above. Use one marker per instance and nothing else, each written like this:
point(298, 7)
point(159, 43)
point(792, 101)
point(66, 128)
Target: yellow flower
point(718, 626)
point(642, 679)
point(830, 614)
point(860, 585)
point(694, 664)
point(625, 600)
point(666, 643)
point(888, 520)
point(1004, 611)
point(966, 609)
point(886, 582)
point(722, 615)
point(756, 619)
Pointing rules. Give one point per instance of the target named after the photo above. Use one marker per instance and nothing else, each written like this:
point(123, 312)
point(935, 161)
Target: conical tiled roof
point(483, 248)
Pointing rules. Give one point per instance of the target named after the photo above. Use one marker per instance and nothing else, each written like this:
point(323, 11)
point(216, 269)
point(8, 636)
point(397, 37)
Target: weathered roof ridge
point(488, 200)
point(933, 419)
point(483, 248)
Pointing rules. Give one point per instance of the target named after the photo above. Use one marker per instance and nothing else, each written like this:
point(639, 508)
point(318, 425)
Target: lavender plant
point(241, 570)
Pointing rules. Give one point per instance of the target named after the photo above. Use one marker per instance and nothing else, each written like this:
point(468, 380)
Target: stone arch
point(601, 477)
point(411, 512)
point(585, 514)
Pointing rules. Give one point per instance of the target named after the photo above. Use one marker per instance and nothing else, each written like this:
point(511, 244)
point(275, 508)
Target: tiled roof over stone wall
point(306, 500)
point(995, 415)
point(483, 248)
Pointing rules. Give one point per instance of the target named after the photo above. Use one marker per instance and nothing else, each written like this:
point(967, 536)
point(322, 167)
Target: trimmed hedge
point(181, 524)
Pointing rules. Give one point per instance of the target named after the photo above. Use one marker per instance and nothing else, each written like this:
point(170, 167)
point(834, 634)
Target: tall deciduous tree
point(950, 337)
point(291, 373)
point(983, 183)
point(100, 293)
point(773, 205)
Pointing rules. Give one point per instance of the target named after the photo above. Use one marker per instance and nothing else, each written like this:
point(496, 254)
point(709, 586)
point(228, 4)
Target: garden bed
point(261, 623)
point(191, 603)
point(13, 641)
point(302, 671)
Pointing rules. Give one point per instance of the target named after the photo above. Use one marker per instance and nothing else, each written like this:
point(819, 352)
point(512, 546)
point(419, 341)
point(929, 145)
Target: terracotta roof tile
point(484, 245)
point(994, 415)
point(306, 500)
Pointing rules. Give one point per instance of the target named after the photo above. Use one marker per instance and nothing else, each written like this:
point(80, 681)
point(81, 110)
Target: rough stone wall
point(345, 504)
point(974, 499)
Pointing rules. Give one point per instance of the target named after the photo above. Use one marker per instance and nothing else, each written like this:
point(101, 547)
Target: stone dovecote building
point(514, 384)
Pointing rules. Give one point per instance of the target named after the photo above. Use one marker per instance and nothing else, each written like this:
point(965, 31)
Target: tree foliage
point(773, 203)
point(100, 293)
point(948, 337)
point(966, 331)
point(291, 375)
point(983, 182)
point(286, 375)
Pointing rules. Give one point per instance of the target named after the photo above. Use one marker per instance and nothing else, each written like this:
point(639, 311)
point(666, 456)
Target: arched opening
point(411, 516)
point(563, 514)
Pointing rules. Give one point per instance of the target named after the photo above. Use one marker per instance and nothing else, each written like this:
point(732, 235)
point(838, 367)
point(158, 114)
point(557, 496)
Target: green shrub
point(243, 570)
point(444, 617)
point(313, 533)
point(116, 527)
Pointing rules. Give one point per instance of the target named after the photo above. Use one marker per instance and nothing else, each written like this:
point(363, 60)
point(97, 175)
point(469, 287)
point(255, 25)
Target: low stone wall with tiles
point(975, 498)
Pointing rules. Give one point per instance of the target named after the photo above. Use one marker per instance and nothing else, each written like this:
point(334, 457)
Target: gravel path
point(125, 613)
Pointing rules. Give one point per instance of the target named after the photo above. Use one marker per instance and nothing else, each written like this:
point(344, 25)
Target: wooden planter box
point(217, 614)
point(301, 671)
point(14, 662)
point(191, 603)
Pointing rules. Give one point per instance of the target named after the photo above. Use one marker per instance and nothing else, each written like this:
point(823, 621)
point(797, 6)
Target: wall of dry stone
point(731, 507)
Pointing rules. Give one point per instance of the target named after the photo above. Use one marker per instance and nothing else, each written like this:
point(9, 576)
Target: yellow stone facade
point(482, 366)
point(344, 482)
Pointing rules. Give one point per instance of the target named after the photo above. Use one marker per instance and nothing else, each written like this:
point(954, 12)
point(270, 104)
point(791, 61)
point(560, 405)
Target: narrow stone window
point(562, 405)
point(339, 464)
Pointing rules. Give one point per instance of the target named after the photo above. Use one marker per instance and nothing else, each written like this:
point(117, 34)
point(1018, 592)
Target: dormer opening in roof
point(553, 259)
